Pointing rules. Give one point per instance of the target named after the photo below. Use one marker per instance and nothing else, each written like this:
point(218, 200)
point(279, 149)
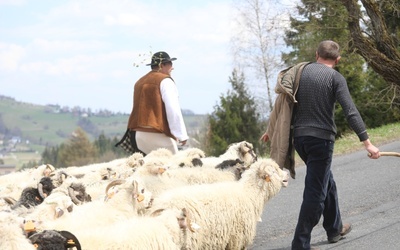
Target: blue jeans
point(320, 194)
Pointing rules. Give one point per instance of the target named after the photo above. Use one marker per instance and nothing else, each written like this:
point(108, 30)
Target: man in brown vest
point(156, 120)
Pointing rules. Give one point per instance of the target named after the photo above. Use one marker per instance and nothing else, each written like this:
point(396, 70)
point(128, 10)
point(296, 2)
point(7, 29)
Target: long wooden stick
point(388, 154)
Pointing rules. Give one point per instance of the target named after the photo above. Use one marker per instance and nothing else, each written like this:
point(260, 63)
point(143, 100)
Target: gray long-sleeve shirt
point(320, 87)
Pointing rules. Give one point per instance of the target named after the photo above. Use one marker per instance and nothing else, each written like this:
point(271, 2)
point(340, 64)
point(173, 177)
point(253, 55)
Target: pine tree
point(77, 151)
point(234, 120)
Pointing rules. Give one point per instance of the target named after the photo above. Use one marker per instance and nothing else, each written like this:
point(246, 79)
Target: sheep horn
point(157, 212)
point(10, 201)
point(48, 170)
point(40, 190)
point(71, 193)
point(114, 183)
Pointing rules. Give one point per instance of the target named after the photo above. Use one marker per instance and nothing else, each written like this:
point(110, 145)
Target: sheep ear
point(267, 178)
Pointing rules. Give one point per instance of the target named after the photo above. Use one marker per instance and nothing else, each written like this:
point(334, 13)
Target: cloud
point(58, 46)
point(10, 56)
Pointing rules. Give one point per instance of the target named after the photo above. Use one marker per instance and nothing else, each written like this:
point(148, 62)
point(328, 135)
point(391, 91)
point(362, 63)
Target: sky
point(89, 53)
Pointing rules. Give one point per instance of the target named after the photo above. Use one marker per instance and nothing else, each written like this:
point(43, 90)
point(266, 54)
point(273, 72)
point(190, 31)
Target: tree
point(375, 35)
point(78, 150)
point(234, 120)
point(257, 45)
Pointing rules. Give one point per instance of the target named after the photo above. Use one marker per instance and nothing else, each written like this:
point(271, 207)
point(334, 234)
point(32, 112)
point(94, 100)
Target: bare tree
point(375, 43)
point(258, 43)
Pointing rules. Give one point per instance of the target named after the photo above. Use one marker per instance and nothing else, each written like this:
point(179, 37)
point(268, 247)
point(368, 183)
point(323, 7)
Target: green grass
point(42, 126)
point(350, 143)
point(378, 136)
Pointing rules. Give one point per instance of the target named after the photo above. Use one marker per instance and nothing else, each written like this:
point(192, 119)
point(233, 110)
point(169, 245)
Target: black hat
point(160, 57)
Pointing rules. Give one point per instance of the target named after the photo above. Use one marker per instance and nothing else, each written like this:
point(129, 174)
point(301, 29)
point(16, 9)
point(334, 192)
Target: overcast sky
point(82, 52)
point(89, 53)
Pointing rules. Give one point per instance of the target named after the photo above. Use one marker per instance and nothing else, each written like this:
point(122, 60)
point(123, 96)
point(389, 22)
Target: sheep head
point(45, 186)
point(77, 192)
point(246, 151)
point(269, 176)
point(52, 238)
point(135, 160)
point(136, 195)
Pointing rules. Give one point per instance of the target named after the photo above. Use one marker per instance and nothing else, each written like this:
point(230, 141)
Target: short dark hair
point(328, 50)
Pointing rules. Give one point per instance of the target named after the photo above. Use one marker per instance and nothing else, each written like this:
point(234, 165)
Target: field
point(38, 126)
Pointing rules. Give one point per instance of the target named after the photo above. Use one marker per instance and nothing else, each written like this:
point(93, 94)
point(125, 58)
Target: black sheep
point(31, 197)
point(54, 240)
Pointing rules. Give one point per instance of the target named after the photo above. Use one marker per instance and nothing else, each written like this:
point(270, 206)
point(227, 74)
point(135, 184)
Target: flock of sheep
point(157, 201)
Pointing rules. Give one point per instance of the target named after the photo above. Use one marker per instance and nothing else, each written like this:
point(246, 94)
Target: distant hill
point(52, 125)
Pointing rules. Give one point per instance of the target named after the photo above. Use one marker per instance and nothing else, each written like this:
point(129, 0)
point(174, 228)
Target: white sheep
point(53, 207)
point(167, 230)
point(158, 176)
point(190, 157)
point(13, 183)
point(12, 236)
point(227, 212)
point(61, 200)
point(124, 199)
point(241, 150)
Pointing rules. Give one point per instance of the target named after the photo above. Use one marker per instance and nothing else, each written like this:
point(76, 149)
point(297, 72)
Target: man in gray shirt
point(314, 135)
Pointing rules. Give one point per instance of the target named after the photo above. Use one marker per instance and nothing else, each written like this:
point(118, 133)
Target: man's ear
point(316, 55)
point(337, 60)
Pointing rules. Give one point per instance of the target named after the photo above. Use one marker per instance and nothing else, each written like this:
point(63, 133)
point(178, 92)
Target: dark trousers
point(320, 194)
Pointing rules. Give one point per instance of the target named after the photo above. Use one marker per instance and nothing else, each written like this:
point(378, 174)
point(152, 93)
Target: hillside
point(35, 126)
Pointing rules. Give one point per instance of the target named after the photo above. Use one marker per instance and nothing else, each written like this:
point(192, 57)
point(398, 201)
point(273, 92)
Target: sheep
point(226, 212)
point(62, 199)
point(190, 157)
point(132, 163)
point(158, 177)
point(95, 177)
point(240, 150)
point(53, 239)
point(12, 236)
point(12, 184)
point(34, 196)
point(193, 176)
point(124, 199)
point(165, 230)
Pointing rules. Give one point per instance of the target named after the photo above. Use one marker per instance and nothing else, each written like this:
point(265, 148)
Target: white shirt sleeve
point(170, 97)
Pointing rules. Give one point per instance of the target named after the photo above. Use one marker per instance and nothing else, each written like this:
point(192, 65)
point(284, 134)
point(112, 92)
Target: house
point(6, 169)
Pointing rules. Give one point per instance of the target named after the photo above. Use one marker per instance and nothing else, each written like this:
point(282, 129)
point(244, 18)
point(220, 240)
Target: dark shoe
point(345, 230)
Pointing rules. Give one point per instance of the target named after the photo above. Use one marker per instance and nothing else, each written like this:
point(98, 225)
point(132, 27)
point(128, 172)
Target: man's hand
point(373, 152)
point(264, 137)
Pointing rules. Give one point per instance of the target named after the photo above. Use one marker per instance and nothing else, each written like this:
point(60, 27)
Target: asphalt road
point(369, 198)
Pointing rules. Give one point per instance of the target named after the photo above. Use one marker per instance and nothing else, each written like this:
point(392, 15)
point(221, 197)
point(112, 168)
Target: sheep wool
point(226, 212)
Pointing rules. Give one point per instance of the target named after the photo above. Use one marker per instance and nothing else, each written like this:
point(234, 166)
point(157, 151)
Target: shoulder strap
point(297, 77)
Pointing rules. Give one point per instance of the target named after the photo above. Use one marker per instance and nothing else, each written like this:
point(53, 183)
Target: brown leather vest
point(148, 113)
